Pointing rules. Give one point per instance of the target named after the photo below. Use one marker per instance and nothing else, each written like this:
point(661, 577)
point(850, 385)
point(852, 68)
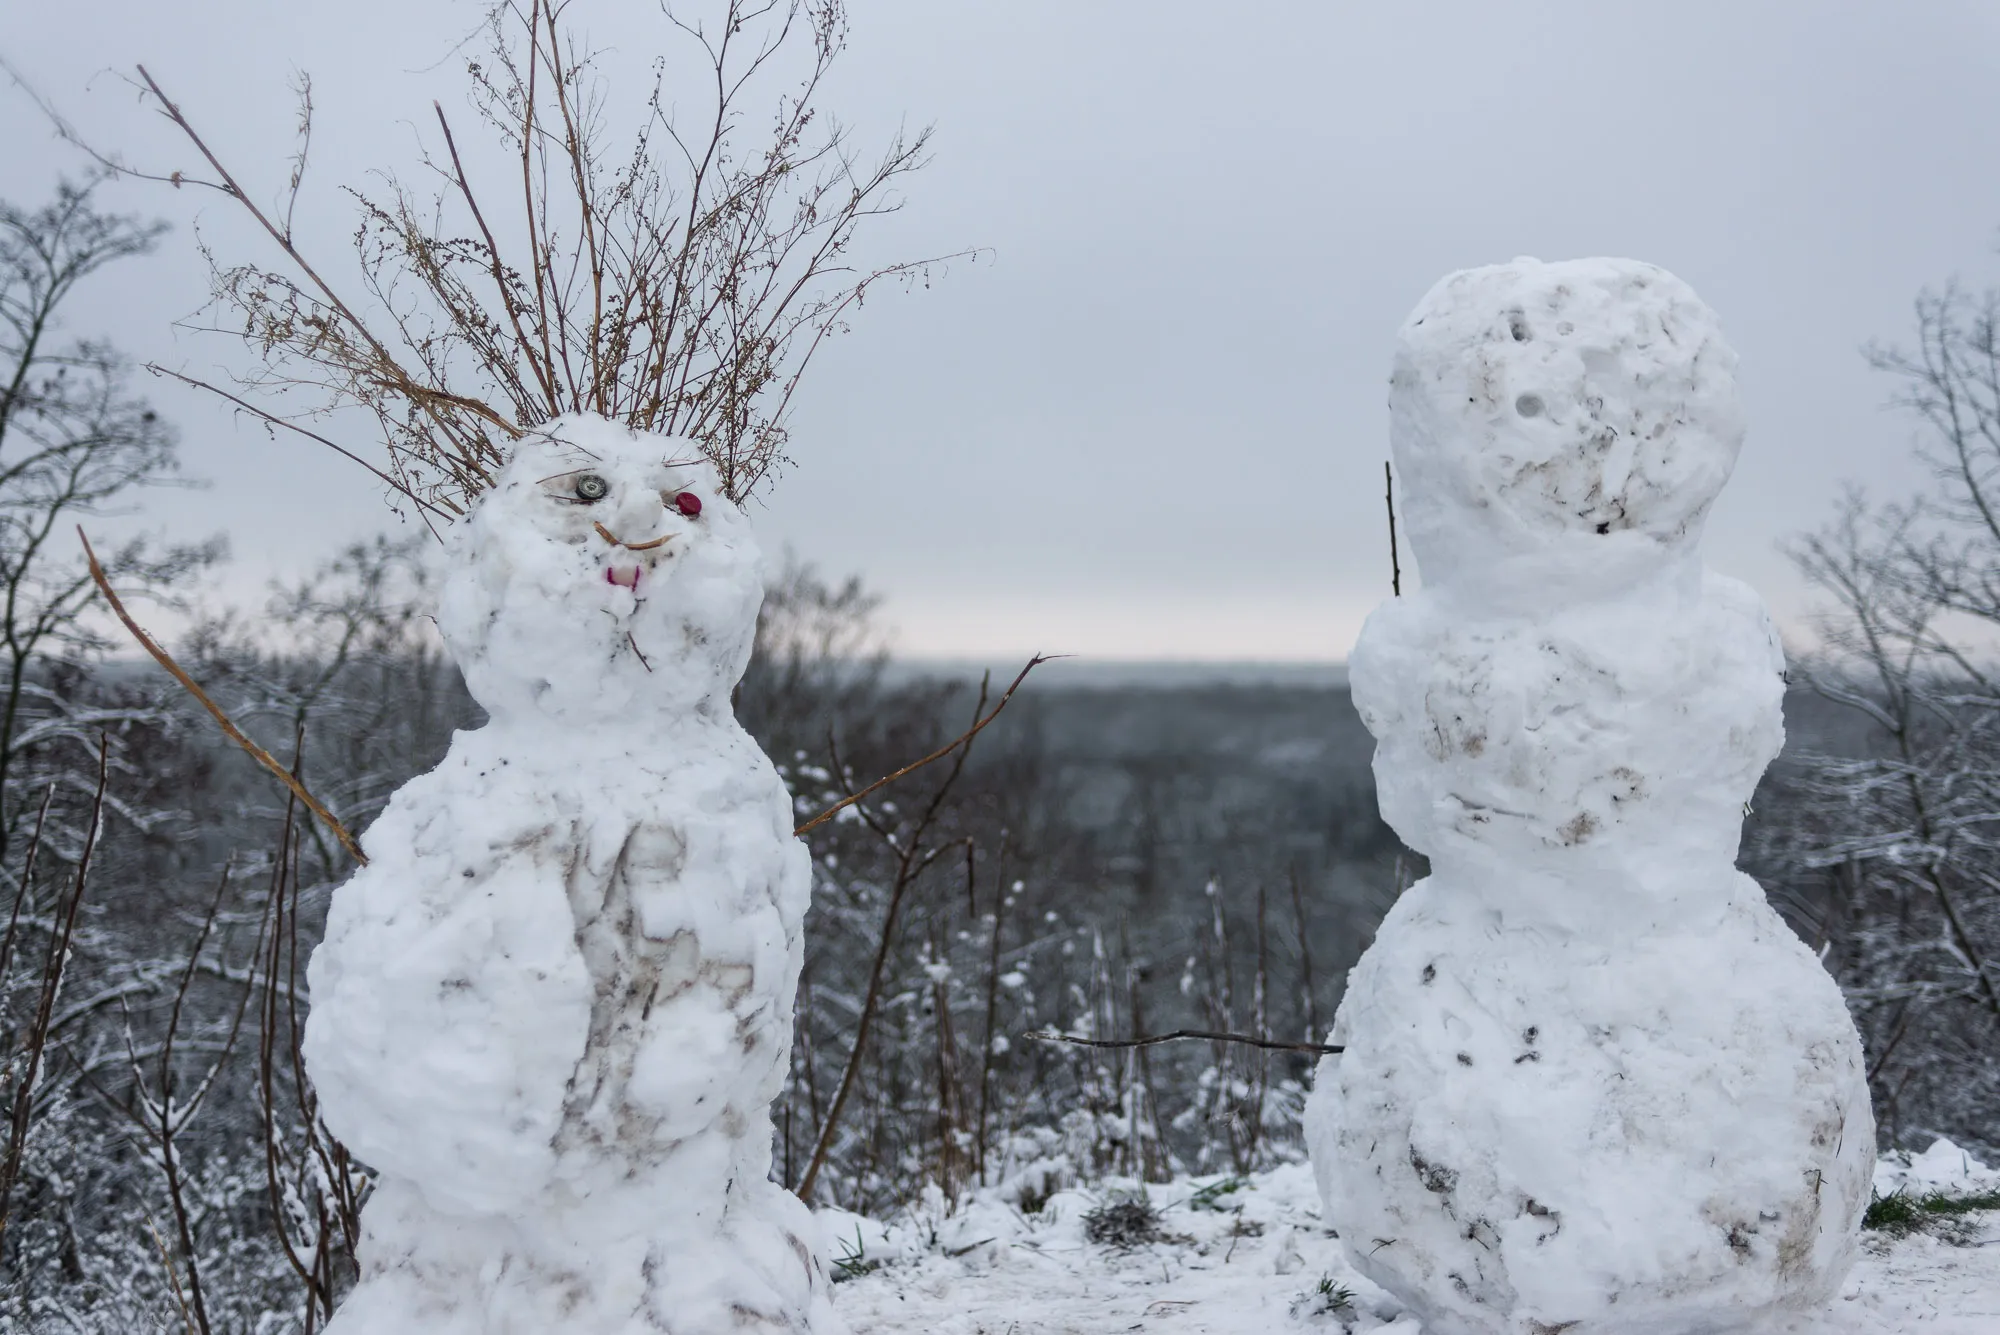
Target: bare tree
point(1903, 830)
point(75, 441)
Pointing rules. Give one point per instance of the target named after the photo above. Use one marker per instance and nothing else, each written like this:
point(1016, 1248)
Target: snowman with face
point(1591, 1082)
point(554, 1008)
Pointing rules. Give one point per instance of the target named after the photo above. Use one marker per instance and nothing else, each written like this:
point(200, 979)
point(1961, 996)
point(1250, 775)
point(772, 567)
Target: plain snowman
point(1592, 1083)
point(554, 1008)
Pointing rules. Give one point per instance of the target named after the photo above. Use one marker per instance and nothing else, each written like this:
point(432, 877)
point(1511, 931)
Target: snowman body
point(554, 1008)
point(1591, 1082)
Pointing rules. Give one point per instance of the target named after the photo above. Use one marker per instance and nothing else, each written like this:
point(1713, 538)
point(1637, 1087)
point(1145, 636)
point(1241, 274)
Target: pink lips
point(625, 577)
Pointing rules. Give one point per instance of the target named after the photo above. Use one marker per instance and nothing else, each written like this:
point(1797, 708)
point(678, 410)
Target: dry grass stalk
point(678, 282)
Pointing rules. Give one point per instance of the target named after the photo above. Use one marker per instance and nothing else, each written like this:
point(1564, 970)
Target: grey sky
point(1153, 422)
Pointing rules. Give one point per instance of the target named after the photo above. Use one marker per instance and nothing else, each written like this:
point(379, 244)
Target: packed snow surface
point(1592, 1083)
point(553, 1009)
point(1257, 1259)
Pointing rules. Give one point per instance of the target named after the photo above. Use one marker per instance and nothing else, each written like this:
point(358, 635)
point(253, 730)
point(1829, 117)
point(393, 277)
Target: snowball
point(1580, 416)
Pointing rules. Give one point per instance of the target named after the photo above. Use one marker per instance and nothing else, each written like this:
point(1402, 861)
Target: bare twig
point(963, 739)
point(911, 863)
point(312, 1187)
point(1270, 1044)
point(1000, 900)
point(173, 1277)
point(21, 898)
point(424, 396)
point(442, 508)
point(174, 1114)
point(1389, 499)
point(256, 752)
point(494, 264)
point(1306, 987)
point(53, 970)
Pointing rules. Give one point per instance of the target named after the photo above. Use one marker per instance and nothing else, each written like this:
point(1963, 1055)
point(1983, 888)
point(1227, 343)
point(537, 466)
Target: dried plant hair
point(678, 280)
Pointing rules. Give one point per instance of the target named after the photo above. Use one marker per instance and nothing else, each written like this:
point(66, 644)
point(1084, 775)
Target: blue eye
point(591, 487)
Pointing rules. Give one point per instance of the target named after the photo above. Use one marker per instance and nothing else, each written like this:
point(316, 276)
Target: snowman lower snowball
point(1591, 1082)
point(554, 1008)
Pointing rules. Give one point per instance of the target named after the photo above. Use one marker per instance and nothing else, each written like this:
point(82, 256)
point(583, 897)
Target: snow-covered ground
point(1256, 1259)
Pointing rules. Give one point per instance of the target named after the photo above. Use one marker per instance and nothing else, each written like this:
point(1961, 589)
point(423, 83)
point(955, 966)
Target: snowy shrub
point(1881, 833)
point(1124, 1219)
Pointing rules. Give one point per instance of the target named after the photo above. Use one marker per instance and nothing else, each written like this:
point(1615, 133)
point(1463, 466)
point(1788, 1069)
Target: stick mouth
point(617, 541)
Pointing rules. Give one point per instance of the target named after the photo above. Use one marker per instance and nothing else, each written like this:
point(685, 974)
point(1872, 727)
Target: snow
point(1592, 1082)
point(1254, 1267)
point(553, 1009)
point(1944, 1167)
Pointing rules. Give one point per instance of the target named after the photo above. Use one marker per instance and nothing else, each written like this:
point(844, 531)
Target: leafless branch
point(1208, 1035)
point(229, 728)
point(963, 739)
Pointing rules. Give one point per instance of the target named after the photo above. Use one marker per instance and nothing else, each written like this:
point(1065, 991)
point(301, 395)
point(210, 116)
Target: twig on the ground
point(235, 734)
point(1271, 1044)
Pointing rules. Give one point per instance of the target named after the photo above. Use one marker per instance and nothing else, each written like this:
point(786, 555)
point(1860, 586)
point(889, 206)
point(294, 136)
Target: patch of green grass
point(1326, 1299)
point(1332, 1296)
point(1210, 1196)
point(853, 1261)
point(1901, 1214)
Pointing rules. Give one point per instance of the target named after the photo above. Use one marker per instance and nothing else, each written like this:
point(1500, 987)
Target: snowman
point(1591, 1082)
point(553, 1009)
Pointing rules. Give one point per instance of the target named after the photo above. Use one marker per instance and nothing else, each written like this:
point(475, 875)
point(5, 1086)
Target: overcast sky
point(1152, 424)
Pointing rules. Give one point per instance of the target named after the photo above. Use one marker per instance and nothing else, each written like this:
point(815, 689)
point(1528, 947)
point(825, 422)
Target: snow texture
point(553, 1009)
point(1592, 1083)
point(1943, 1168)
point(1260, 1261)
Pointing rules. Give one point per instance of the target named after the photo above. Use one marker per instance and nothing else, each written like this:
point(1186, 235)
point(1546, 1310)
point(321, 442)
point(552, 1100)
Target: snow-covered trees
point(75, 442)
point(1894, 834)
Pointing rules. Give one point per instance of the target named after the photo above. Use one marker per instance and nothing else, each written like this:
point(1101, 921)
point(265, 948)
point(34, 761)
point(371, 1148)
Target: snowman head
point(1573, 418)
point(604, 575)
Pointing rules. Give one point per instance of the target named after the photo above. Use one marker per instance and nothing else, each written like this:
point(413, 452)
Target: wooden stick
point(938, 754)
point(1389, 499)
point(399, 380)
point(447, 512)
point(616, 541)
point(1270, 1044)
point(257, 753)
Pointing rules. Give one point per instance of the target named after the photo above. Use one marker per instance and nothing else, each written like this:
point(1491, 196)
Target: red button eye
point(688, 504)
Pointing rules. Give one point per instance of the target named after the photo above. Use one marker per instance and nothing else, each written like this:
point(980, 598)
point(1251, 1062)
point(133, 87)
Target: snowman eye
point(688, 504)
point(590, 487)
